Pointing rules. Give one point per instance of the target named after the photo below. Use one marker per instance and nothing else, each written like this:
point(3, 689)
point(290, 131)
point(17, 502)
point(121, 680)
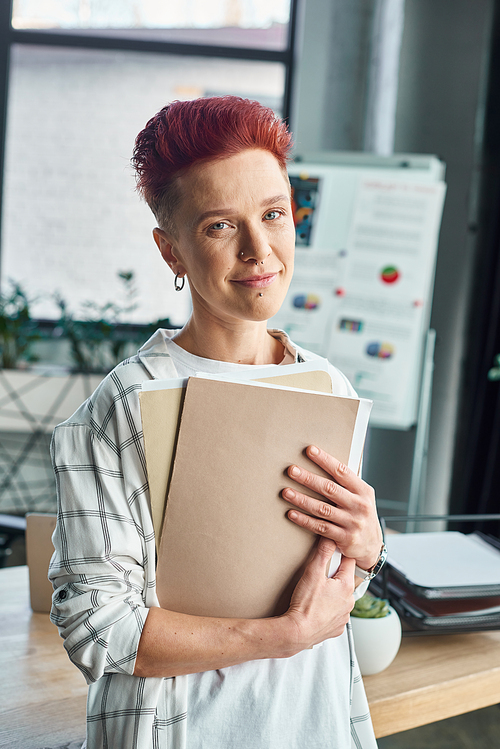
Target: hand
point(320, 606)
point(348, 517)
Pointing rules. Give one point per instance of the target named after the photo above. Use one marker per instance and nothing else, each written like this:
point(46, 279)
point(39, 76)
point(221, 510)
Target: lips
point(256, 282)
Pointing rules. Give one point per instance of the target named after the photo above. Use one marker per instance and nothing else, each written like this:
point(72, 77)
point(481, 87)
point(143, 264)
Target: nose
point(254, 246)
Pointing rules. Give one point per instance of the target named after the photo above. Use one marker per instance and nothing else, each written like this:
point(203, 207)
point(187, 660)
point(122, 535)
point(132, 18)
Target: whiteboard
point(367, 231)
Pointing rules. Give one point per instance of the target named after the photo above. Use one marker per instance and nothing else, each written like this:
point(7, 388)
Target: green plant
point(102, 339)
point(17, 329)
point(370, 607)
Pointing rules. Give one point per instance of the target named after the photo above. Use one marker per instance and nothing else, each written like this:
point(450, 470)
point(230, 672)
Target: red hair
point(186, 132)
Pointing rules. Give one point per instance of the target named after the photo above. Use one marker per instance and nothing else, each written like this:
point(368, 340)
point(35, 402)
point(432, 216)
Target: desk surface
point(42, 695)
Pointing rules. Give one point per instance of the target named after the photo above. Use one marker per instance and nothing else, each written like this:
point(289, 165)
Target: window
point(237, 23)
point(85, 76)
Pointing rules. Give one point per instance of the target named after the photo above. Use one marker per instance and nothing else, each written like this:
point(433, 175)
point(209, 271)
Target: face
point(235, 237)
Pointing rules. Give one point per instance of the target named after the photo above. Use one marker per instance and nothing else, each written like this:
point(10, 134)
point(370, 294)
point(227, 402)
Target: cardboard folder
point(161, 406)
point(227, 547)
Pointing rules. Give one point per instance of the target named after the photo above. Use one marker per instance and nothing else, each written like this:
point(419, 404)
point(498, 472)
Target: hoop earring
point(177, 286)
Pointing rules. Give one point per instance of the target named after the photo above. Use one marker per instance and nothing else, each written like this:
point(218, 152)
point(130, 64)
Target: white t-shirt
point(292, 703)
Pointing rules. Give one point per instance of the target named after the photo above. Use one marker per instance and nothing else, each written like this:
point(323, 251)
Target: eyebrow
point(221, 211)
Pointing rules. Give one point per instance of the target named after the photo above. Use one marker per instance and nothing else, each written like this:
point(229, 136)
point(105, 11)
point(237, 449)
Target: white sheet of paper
point(380, 323)
point(444, 559)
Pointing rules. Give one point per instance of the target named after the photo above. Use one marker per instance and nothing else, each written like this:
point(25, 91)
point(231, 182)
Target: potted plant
point(376, 629)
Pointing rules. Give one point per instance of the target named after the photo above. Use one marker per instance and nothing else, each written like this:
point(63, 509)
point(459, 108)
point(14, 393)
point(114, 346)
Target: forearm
point(173, 644)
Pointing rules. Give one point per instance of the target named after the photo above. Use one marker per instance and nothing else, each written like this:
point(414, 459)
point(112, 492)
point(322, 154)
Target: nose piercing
point(242, 253)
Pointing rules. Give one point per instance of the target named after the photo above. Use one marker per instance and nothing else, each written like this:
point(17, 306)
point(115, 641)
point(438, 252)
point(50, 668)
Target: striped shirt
point(103, 572)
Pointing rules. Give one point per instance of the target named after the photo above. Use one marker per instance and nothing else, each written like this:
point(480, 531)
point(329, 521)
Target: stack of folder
point(443, 582)
point(217, 452)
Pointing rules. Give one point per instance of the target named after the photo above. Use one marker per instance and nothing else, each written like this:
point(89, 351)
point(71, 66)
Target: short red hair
point(186, 132)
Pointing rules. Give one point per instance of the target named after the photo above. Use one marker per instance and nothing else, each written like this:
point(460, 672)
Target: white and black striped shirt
point(103, 572)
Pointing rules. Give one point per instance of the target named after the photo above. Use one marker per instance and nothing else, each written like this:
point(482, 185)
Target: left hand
point(351, 521)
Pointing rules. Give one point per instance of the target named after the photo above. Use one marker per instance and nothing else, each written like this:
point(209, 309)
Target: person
point(213, 171)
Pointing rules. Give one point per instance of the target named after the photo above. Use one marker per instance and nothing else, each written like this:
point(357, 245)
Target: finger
point(327, 487)
point(322, 528)
point(338, 470)
point(346, 569)
point(322, 553)
point(317, 507)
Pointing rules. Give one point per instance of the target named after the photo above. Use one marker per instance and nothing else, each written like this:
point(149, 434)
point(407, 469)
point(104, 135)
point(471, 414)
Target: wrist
point(273, 637)
point(369, 571)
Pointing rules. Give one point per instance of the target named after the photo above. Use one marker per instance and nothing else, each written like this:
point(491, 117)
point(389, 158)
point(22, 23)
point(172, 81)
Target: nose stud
point(242, 253)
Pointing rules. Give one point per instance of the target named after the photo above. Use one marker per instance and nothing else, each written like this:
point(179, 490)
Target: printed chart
point(362, 289)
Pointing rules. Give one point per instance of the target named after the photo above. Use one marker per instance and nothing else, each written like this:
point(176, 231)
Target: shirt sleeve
point(98, 568)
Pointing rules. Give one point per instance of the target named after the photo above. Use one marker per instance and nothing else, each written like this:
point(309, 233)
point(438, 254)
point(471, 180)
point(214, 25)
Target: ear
point(168, 252)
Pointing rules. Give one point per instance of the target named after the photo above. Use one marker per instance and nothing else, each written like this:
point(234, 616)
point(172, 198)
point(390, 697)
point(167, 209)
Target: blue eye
point(271, 215)
point(219, 225)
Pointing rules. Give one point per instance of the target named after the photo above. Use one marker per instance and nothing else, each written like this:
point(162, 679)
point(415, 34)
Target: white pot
point(376, 641)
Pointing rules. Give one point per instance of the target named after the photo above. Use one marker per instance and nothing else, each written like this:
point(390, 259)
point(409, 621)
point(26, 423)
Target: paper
point(380, 323)
point(227, 547)
point(444, 559)
point(364, 271)
point(310, 304)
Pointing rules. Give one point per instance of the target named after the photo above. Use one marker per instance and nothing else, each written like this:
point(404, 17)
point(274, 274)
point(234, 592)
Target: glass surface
point(240, 23)
point(71, 218)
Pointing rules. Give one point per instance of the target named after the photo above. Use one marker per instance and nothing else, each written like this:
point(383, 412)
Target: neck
point(245, 343)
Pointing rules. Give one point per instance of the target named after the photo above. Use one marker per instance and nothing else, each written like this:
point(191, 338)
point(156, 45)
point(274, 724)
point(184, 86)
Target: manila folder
point(227, 548)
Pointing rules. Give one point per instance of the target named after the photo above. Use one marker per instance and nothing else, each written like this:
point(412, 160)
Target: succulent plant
point(370, 607)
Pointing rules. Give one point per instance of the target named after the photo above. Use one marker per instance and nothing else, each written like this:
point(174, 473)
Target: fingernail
point(289, 493)
point(295, 471)
point(292, 515)
point(313, 450)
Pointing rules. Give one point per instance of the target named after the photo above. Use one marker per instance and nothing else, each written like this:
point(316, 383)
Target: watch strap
point(373, 571)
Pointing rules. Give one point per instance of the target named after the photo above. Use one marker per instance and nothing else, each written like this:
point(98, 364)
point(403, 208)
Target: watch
point(367, 575)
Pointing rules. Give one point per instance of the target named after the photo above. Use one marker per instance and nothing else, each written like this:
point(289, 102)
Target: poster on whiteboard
point(362, 288)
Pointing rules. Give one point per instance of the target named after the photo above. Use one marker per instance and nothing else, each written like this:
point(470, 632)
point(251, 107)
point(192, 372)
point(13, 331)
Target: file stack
point(443, 582)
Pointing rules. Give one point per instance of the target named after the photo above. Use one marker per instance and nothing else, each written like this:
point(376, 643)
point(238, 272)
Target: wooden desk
point(42, 695)
point(433, 678)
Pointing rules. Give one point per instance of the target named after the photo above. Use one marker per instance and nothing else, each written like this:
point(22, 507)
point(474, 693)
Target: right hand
point(320, 605)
